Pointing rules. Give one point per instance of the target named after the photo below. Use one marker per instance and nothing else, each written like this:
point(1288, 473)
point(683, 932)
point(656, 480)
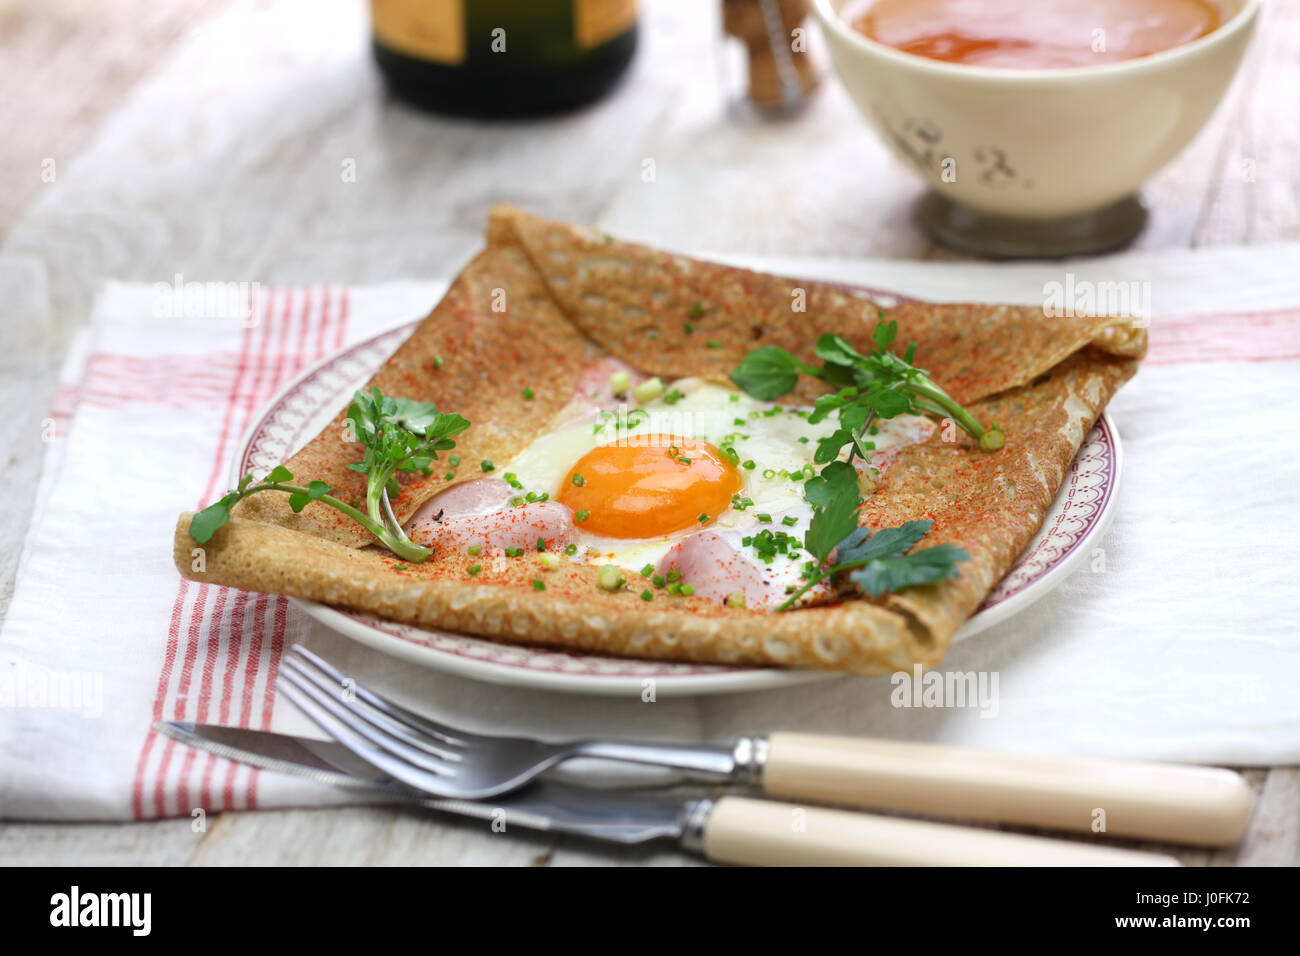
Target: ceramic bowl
point(1038, 144)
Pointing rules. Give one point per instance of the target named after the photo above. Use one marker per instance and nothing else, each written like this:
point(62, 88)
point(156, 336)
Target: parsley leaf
point(927, 566)
point(837, 488)
point(880, 562)
point(888, 403)
point(821, 490)
point(885, 333)
point(828, 448)
point(836, 351)
point(315, 491)
point(864, 545)
point(769, 372)
point(205, 524)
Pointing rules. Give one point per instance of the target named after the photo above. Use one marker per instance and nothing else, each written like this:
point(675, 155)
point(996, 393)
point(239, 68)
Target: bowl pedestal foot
point(993, 237)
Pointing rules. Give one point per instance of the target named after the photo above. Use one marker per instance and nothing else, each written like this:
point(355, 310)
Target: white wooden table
point(208, 138)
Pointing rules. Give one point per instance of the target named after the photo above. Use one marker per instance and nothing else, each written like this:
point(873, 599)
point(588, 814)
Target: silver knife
point(727, 829)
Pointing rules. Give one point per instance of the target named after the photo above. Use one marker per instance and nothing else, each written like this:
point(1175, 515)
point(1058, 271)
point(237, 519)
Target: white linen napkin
point(1181, 640)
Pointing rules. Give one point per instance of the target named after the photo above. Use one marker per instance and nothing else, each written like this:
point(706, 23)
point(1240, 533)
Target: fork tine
point(367, 713)
point(396, 768)
point(356, 722)
point(449, 735)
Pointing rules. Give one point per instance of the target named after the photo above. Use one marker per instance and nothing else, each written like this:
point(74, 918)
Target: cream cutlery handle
point(1203, 806)
point(767, 833)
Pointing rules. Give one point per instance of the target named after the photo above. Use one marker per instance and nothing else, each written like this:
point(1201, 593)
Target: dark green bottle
point(492, 58)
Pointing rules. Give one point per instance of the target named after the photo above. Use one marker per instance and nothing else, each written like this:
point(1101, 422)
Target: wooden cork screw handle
point(766, 833)
point(1200, 806)
point(779, 76)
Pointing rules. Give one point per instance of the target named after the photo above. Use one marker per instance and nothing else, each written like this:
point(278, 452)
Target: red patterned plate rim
point(1080, 513)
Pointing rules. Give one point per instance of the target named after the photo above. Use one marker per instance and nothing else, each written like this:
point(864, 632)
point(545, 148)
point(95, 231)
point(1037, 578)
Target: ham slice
point(593, 393)
point(478, 514)
point(712, 565)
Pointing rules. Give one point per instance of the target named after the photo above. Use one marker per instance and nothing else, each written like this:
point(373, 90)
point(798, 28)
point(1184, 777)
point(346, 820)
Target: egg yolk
point(660, 485)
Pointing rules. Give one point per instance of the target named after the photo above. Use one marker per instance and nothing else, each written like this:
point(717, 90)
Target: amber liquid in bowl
point(1033, 34)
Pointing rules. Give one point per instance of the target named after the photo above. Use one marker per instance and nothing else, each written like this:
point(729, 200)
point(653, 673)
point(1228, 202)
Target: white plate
point(1078, 516)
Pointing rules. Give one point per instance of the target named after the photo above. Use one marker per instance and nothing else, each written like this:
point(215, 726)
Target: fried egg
point(639, 479)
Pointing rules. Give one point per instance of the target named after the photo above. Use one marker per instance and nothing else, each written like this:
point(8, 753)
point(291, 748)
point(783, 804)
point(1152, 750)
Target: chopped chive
point(715, 345)
point(474, 569)
point(733, 398)
point(647, 595)
point(486, 465)
point(674, 587)
point(582, 516)
point(541, 544)
point(763, 518)
point(401, 567)
point(610, 579)
point(703, 518)
point(688, 589)
point(697, 310)
point(674, 575)
point(449, 476)
point(658, 580)
point(789, 521)
point(454, 461)
point(437, 361)
point(749, 465)
point(648, 570)
point(769, 473)
point(529, 394)
point(571, 549)
point(516, 501)
point(474, 550)
point(539, 584)
point(688, 328)
point(648, 390)
point(579, 481)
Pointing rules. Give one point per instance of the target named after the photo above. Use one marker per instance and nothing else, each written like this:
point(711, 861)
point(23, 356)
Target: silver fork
point(450, 762)
point(1196, 805)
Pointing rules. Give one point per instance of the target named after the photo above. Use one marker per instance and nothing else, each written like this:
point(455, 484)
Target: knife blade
point(617, 816)
point(725, 830)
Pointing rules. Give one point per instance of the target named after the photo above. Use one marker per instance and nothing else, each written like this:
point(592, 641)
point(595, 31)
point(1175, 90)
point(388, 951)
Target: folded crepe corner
point(574, 294)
